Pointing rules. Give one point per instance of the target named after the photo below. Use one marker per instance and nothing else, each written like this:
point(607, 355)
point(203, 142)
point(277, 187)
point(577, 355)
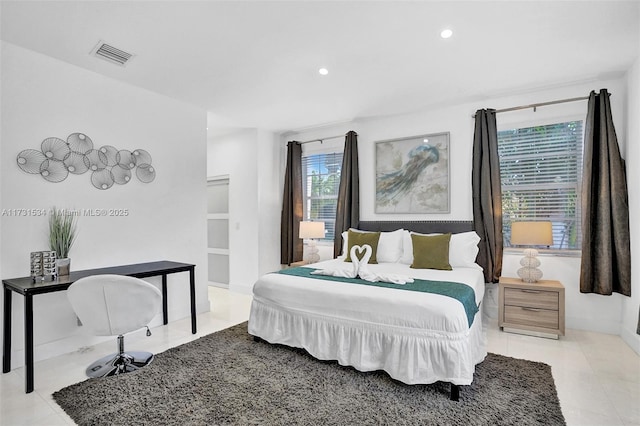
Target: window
point(541, 170)
point(320, 184)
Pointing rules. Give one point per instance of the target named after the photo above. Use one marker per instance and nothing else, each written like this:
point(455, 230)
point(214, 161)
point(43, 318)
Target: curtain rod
point(534, 106)
point(323, 139)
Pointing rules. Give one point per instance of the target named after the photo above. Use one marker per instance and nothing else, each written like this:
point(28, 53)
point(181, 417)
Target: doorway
point(218, 231)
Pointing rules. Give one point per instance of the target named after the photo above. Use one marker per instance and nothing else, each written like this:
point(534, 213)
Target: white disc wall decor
point(110, 154)
point(55, 148)
point(146, 173)
point(121, 176)
point(79, 142)
point(76, 163)
point(29, 160)
point(53, 170)
point(95, 160)
point(102, 179)
point(126, 159)
point(108, 165)
point(142, 156)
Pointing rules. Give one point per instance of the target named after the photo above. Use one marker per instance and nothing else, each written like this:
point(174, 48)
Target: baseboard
point(59, 347)
point(593, 324)
point(530, 333)
point(631, 339)
point(244, 289)
point(79, 340)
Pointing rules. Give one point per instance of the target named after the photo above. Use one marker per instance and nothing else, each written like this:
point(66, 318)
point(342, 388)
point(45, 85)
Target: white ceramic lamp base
point(529, 272)
point(312, 255)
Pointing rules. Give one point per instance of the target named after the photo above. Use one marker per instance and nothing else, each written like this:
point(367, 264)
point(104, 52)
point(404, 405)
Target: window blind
point(320, 184)
point(541, 169)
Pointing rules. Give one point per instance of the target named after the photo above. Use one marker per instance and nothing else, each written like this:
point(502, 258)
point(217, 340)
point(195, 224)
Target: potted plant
point(62, 234)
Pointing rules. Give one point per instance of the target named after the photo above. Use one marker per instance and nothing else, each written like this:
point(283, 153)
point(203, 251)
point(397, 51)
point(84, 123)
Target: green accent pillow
point(431, 251)
point(360, 239)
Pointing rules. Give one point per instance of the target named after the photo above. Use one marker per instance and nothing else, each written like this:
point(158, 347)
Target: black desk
point(26, 287)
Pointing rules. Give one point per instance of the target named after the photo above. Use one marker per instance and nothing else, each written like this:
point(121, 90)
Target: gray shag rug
point(226, 378)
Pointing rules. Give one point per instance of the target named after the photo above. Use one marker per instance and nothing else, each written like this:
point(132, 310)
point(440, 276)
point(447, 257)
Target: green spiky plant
point(62, 232)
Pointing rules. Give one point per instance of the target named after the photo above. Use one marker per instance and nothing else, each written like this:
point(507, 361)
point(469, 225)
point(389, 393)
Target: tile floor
point(597, 375)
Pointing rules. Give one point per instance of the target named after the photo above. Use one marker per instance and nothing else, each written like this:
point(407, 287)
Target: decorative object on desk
point(62, 234)
point(531, 234)
point(64, 266)
point(310, 231)
point(412, 174)
point(43, 264)
point(108, 165)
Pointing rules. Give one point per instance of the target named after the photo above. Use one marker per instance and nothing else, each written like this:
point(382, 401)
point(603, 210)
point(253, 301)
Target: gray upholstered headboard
point(421, 226)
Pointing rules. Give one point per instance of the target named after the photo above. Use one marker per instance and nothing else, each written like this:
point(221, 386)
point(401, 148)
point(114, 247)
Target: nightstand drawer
point(531, 307)
point(531, 298)
point(531, 317)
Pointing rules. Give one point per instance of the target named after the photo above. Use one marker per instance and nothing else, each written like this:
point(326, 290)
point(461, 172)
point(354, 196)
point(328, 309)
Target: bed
point(416, 337)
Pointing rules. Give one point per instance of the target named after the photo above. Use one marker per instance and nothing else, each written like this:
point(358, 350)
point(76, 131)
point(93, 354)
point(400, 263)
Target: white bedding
point(415, 337)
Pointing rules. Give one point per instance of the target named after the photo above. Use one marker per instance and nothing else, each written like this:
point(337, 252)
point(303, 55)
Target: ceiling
point(255, 64)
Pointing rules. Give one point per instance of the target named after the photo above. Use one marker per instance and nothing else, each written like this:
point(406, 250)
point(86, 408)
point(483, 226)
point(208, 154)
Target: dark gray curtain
point(487, 194)
point(290, 244)
point(606, 253)
point(348, 209)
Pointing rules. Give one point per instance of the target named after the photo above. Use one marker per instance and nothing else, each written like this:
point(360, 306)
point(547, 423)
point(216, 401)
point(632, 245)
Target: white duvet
point(416, 337)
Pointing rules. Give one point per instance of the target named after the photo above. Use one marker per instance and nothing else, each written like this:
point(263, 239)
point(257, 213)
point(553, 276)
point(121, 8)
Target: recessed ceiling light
point(323, 71)
point(446, 33)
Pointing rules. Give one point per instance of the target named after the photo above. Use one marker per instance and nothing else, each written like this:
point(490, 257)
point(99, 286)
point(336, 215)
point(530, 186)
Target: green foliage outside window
point(321, 181)
point(541, 169)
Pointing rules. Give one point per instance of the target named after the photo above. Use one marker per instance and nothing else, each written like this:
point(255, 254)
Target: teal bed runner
point(461, 292)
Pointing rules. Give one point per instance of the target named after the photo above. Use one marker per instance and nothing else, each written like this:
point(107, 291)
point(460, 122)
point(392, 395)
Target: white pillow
point(463, 249)
point(407, 248)
point(389, 246)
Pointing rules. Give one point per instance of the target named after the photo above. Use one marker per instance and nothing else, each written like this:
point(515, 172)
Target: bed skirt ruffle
point(412, 356)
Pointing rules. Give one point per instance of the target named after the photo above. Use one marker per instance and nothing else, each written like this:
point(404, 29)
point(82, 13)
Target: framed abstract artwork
point(412, 174)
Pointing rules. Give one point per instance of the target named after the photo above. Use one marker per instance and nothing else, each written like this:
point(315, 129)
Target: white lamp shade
point(311, 229)
point(531, 233)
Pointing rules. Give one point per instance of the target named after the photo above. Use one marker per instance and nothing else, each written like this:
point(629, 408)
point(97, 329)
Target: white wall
point(630, 306)
point(250, 158)
point(43, 97)
point(270, 187)
point(1, 157)
point(584, 311)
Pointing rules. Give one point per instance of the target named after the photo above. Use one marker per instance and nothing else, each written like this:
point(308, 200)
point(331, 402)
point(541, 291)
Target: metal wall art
point(108, 165)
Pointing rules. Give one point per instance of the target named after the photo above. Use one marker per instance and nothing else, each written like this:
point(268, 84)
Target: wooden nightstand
point(531, 308)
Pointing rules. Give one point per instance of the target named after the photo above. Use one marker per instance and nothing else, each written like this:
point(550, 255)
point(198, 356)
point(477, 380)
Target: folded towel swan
point(361, 269)
point(355, 261)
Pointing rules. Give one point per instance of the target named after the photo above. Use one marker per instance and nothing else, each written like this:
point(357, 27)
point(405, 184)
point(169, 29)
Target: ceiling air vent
point(111, 54)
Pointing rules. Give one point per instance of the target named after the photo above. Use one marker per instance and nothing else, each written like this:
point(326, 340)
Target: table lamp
point(310, 231)
point(531, 234)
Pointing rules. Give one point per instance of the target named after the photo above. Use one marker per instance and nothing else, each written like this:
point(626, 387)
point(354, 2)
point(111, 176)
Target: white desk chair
point(112, 305)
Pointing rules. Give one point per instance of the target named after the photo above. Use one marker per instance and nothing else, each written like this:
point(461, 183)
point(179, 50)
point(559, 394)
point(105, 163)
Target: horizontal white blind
point(541, 169)
point(320, 184)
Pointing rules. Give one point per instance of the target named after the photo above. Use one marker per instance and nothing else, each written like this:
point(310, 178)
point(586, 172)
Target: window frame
point(306, 200)
point(546, 121)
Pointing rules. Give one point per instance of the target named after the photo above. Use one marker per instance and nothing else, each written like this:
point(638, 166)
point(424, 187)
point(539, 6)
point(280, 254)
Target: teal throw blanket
point(461, 292)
